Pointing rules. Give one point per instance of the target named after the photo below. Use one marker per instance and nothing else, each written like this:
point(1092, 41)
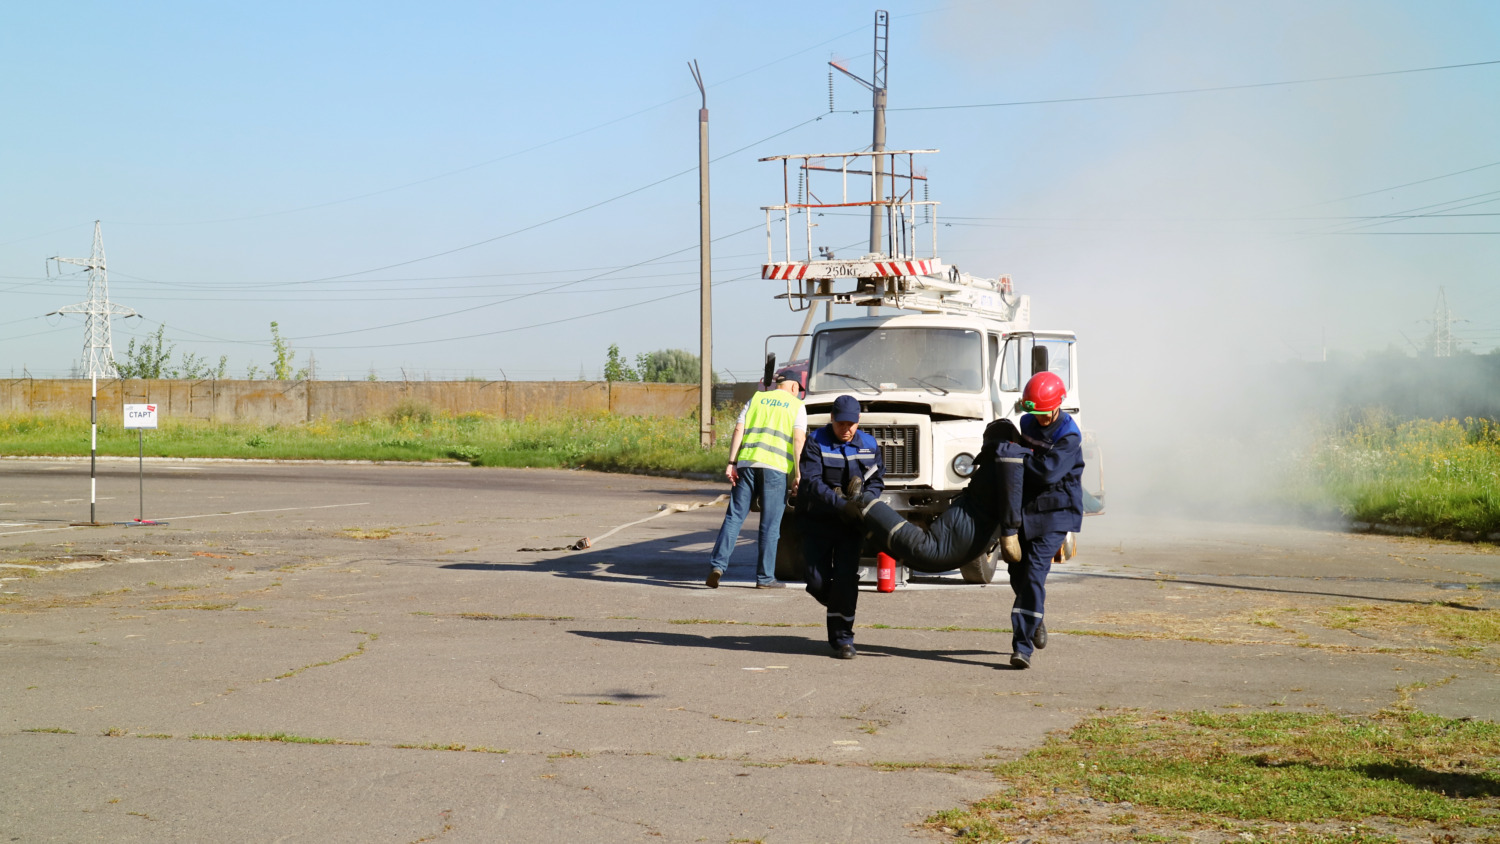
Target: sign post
point(140, 417)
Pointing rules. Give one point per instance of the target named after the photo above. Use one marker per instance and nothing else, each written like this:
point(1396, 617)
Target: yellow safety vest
point(768, 430)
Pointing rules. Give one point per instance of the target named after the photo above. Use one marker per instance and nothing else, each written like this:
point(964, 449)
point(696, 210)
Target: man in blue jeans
point(767, 440)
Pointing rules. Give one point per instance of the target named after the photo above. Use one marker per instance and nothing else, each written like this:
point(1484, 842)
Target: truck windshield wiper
point(931, 386)
point(855, 378)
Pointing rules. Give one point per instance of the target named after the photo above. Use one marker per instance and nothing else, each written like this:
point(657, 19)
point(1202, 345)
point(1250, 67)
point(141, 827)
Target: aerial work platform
point(907, 277)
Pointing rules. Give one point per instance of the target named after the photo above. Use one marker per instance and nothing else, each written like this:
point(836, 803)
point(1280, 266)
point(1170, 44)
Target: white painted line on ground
point(201, 516)
point(275, 510)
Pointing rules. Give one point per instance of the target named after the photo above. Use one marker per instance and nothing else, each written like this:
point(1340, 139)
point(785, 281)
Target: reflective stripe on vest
point(768, 430)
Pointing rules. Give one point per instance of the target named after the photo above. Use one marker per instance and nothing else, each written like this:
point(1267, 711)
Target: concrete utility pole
point(98, 350)
point(705, 279)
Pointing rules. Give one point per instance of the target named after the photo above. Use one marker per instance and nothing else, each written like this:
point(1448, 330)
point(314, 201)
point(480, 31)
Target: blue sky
point(304, 162)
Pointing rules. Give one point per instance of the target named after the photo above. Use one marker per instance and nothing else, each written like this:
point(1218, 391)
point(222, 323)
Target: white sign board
point(140, 416)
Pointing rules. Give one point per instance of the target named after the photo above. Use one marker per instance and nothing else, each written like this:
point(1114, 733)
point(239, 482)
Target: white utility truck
point(950, 355)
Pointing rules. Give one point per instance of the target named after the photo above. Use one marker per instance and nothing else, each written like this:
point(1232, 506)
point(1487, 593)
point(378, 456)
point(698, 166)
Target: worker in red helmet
point(1051, 506)
point(1025, 495)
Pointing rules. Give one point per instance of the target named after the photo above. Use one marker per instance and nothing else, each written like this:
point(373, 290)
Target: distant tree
point(670, 366)
point(149, 360)
point(615, 367)
point(281, 367)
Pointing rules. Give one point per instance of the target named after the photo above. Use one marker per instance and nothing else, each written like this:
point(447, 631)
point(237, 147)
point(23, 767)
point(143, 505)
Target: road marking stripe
point(202, 516)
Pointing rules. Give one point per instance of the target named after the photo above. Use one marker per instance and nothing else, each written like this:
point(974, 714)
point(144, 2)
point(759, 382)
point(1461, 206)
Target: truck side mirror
point(1038, 359)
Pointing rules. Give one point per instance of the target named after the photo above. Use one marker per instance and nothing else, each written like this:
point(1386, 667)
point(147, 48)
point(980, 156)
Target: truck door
point(1022, 354)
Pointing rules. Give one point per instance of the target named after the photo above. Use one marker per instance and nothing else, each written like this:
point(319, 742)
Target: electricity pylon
point(98, 350)
point(1441, 341)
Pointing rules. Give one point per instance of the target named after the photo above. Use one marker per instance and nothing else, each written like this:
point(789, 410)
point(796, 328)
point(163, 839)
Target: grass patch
point(1209, 770)
point(284, 738)
point(515, 616)
point(1442, 476)
point(58, 730)
point(368, 533)
point(358, 651)
point(1459, 623)
point(415, 433)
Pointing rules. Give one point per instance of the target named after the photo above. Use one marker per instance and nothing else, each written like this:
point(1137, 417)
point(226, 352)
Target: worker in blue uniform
point(1051, 507)
point(836, 459)
point(1026, 493)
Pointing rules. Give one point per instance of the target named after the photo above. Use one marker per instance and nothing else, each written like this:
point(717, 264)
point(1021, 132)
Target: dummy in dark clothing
point(988, 509)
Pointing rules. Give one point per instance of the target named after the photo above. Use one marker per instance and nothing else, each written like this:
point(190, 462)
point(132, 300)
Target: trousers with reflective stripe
point(769, 418)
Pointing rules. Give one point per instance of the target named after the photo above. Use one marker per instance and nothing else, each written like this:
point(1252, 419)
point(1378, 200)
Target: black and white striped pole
point(93, 455)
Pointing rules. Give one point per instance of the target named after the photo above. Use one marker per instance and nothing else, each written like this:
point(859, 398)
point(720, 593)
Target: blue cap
point(845, 409)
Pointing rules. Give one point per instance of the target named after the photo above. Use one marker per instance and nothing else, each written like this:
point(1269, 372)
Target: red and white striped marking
point(799, 270)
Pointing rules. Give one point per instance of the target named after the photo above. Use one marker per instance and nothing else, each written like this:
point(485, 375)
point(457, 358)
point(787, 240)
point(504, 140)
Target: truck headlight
point(963, 465)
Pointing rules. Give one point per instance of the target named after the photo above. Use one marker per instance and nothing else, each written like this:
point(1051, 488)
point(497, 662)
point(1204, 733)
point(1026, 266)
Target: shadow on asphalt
point(813, 644)
point(1247, 588)
point(654, 562)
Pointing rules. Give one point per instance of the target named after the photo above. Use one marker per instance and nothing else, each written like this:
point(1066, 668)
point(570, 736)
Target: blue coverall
point(1051, 506)
point(831, 539)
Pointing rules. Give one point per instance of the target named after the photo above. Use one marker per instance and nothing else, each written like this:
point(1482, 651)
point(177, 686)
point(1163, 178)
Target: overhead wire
point(1179, 91)
point(572, 213)
point(752, 273)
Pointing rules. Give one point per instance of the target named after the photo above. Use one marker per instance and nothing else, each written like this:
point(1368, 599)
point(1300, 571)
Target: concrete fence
point(291, 402)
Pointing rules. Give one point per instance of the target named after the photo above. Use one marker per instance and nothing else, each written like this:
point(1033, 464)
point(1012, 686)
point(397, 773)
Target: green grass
point(597, 441)
point(1208, 769)
point(283, 738)
point(1441, 476)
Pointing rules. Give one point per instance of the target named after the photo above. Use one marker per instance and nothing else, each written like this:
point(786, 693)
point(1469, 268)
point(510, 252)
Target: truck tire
point(981, 569)
point(791, 567)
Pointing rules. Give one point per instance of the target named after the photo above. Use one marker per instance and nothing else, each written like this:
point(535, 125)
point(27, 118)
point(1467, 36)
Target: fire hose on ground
point(664, 510)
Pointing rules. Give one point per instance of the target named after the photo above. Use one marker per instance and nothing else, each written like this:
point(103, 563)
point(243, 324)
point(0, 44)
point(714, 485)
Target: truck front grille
point(898, 448)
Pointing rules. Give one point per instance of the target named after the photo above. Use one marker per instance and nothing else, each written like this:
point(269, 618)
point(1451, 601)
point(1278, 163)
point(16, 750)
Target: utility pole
point(877, 145)
point(705, 278)
point(877, 87)
point(98, 350)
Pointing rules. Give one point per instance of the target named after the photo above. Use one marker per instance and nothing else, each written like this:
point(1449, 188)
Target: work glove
point(1010, 548)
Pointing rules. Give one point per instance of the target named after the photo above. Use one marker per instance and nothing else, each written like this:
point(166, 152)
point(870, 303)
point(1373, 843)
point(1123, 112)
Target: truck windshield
point(937, 360)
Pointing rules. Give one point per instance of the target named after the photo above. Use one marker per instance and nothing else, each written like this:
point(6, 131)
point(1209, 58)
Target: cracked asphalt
point(336, 652)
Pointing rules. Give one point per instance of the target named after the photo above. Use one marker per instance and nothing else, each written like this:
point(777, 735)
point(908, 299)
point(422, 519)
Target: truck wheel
point(981, 569)
point(791, 567)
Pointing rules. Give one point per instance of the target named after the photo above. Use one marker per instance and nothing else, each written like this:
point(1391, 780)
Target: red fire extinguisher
point(885, 572)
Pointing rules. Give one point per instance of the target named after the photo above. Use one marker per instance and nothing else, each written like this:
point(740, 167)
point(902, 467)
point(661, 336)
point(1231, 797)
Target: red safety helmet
point(1043, 394)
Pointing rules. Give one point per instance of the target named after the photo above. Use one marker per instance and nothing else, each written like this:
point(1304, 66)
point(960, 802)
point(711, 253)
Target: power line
point(572, 213)
point(1198, 90)
point(517, 297)
point(753, 273)
point(1395, 187)
point(500, 158)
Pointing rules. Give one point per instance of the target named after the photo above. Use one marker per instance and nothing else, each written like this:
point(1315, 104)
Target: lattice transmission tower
point(1441, 341)
point(98, 350)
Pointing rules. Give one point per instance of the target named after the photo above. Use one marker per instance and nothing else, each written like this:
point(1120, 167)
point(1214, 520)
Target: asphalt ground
point(630, 702)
